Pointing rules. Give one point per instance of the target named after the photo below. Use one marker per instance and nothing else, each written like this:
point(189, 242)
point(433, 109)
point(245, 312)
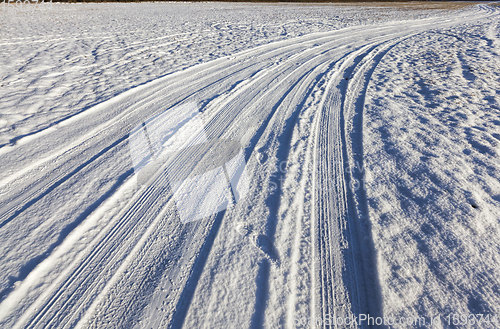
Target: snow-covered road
point(87, 241)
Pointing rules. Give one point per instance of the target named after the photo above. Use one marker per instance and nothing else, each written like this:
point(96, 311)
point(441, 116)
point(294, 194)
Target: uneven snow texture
point(59, 60)
point(403, 102)
point(431, 141)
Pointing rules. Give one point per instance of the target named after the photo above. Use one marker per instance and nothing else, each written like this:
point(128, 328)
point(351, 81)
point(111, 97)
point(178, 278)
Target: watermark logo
point(356, 176)
point(205, 175)
point(24, 5)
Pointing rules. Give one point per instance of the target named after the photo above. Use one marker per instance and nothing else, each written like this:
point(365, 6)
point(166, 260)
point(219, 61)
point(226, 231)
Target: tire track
point(287, 84)
point(344, 256)
point(110, 235)
point(256, 316)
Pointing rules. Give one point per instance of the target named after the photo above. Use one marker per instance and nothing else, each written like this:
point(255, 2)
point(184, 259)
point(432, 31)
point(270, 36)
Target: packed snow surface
point(217, 165)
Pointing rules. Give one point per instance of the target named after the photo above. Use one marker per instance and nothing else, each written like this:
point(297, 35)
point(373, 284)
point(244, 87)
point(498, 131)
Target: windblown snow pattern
point(218, 165)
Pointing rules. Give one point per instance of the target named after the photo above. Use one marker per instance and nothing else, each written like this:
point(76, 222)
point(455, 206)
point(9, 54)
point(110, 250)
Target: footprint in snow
point(266, 245)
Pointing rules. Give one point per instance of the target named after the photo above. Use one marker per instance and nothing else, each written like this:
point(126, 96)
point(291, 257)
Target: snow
point(59, 60)
point(247, 165)
point(432, 149)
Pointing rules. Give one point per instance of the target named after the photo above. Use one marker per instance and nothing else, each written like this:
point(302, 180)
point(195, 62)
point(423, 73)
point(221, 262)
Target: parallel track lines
point(254, 79)
point(109, 236)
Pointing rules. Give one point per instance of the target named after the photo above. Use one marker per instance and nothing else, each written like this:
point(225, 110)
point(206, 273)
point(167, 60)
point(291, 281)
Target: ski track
point(300, 102)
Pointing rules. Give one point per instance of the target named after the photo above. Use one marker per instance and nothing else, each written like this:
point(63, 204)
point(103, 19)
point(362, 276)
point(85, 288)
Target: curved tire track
point(271, 83)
